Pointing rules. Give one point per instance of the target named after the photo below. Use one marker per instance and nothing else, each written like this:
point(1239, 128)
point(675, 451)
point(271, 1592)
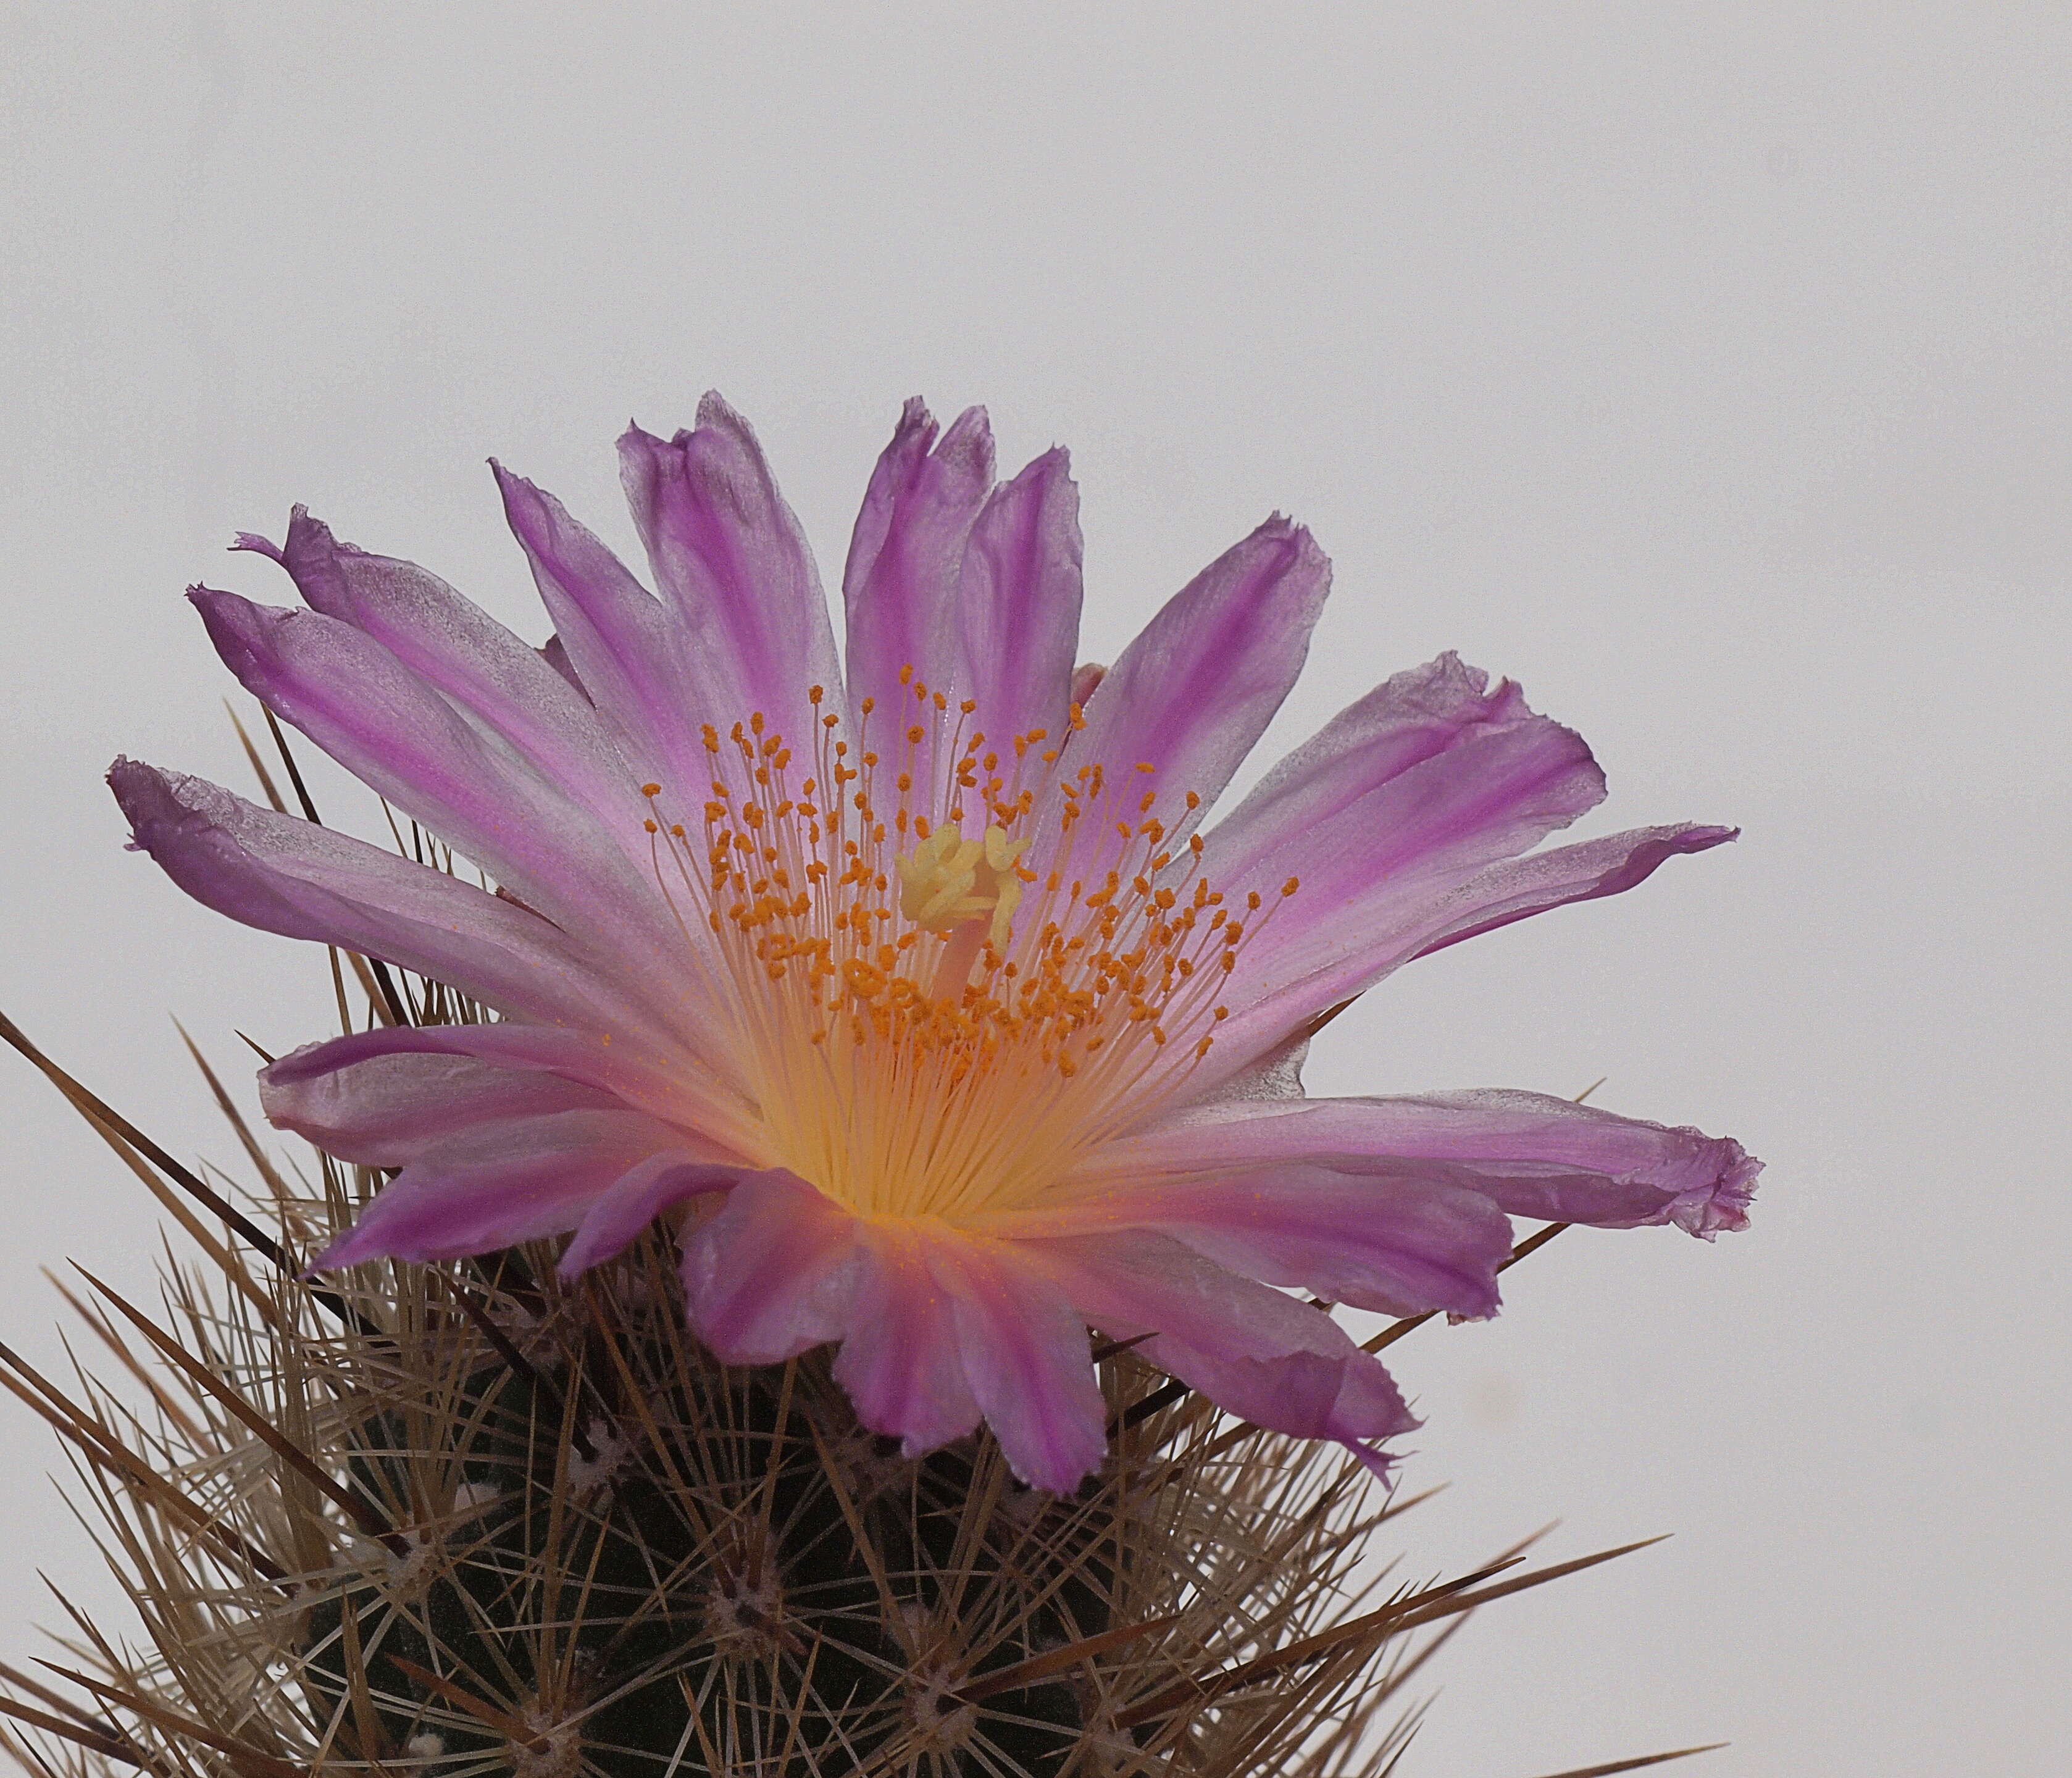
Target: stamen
point(928, 1026)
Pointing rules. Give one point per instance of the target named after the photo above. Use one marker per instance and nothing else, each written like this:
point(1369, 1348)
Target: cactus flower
point(922, 990)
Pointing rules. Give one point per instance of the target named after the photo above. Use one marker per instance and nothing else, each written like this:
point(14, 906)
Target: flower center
point(931, 1024)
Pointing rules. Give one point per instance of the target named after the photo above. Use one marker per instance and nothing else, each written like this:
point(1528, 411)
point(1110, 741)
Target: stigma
point(948, 880)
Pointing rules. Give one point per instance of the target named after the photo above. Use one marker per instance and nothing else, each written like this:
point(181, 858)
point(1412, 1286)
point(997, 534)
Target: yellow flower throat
point(929, 1024)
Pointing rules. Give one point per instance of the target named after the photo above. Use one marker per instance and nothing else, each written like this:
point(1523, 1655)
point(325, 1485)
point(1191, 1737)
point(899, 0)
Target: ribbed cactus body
point(644, 1556)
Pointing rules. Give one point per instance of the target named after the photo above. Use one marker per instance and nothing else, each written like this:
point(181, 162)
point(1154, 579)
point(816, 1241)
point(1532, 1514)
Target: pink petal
point(1400, 724)
point(1377, 865)
point(1018, 606)
point(388, 1110)
point(1027, 1359)
point(1193, 692)
point(615, 1220)
point(729, 555)
point(407, 742)
point(1529, 1155)
point(555, 656)
point(377, 1097)
point(902, 1363)
point(1522, 887)
point(454, 646)
point(287, 876)
point(1265, 1356)
point(900, 583)
point(494, 1185)
point(1378, 837)
point(1402, 821)
point(630, 651)
point(1274, 1074)
point(773, 1272)
point(1418, 1236)
point(1306, 967)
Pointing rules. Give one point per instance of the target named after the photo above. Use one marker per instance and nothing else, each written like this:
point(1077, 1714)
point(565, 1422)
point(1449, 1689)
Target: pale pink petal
point(377, 1094)
point(1275, 1074)
point(1531, 1154)
point(555, 656)
point(1017, 607)
point(1027, 1359)
point(1400, 724)
point(1378, 864)
point(1309, 964)
point(287, 876)
point(1192, 693)
point(454, 646)
point(1352, 864)
point(902, 1362)
point(1522, 887)
point(495, 1184)
point(730, 556)
point(615, 1221)
point(900, 582)
point(388, 1110)
point(772, 1274)
point(408, 741)
point(624, 1069)
point(629, 650)
point(1265, 1356)
point(1416, 1237)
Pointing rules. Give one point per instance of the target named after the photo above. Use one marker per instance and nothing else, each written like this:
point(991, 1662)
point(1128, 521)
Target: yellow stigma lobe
point(948, 880)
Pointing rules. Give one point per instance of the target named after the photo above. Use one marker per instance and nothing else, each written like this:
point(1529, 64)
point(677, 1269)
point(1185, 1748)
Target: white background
point(1704, 368)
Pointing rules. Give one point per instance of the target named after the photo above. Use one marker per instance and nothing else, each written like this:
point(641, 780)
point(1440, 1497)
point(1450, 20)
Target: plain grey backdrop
point(1702, 367)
